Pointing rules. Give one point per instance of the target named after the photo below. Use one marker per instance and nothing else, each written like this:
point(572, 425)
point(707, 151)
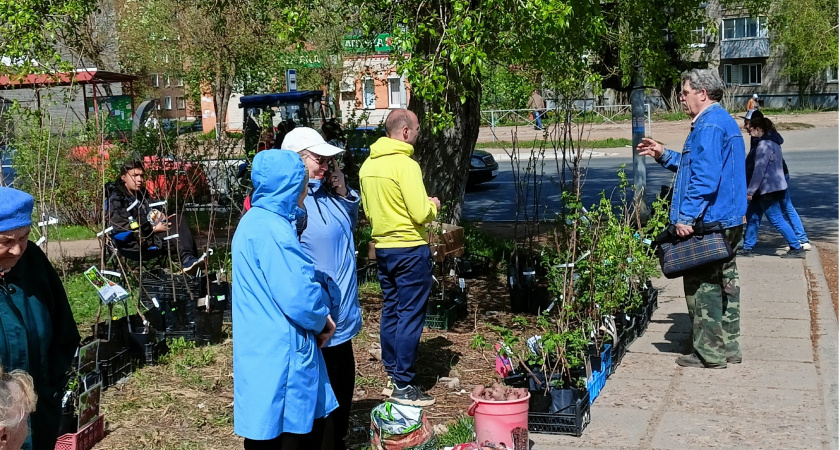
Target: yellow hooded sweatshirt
point(393, 195)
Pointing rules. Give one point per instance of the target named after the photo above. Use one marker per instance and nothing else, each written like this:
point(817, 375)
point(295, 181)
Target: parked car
point(7, 156)
point(483, 168)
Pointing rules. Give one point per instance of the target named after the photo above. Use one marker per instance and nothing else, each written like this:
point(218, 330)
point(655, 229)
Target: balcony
point(745, 48)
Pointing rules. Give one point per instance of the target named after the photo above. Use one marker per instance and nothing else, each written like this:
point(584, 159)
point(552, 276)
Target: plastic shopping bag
point(397, 427)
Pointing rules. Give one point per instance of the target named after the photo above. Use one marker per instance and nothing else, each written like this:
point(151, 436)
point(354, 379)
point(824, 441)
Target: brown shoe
point(693, 360)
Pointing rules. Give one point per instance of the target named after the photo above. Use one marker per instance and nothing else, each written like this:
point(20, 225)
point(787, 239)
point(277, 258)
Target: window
point(744, 27)
point(154, 80)
point(181, 103)
point(368, 93)
point(831, 74)
point(167, 102)
point(727, 73)
point(167, 82)
point(750, 74)
point(179, 82)
point(742, 74)
point(698, 37)
point(394, 85)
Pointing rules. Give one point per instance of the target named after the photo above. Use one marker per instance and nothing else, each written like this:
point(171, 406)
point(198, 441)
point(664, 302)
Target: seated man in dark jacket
point(129, 210)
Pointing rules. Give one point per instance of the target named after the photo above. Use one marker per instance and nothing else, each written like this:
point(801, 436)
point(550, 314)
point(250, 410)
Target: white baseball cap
point(305, 138)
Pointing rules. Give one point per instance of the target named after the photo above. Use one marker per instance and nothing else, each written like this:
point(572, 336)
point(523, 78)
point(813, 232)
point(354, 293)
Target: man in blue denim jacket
point(710, 185)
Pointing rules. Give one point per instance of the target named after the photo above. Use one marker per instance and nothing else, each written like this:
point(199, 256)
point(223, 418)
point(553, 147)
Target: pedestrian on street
point(537, 103)
point(395, 200)
point(281, 389)
point(332, 211)
point(710, 185)
point(767, 186)
point(752, 103)
point(38, 333)
point(789, 211)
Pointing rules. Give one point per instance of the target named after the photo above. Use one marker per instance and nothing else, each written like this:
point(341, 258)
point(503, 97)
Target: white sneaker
point(806, 246)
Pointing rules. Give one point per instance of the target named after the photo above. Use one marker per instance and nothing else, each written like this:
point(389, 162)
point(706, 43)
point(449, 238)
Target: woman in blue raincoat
point(281, 388)
point(332, 209)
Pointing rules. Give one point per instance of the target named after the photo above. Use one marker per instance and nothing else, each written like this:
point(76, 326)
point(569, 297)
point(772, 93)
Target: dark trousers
point(405, 275)
point(184, 244)
point(341, 368)
point(289, 441)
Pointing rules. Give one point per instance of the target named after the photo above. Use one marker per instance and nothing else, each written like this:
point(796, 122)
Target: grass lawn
point(536, 143)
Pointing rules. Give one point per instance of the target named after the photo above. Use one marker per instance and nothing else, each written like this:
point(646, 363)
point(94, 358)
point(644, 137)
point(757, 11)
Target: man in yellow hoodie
point(395, 201)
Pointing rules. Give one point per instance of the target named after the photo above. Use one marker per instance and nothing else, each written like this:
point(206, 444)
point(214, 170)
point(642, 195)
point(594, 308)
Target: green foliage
point(479, 342)
point(30, 28)
point(477, 242)
point(84, 301)
point(72, 233)
point(64, 172)
point(505, 88)
point(462, 431)
point(601, 143)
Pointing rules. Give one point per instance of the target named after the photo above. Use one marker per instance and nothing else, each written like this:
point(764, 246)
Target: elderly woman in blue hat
point(39, 334)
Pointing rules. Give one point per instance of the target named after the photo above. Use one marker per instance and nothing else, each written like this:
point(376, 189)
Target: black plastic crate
point(153, 352)
point(115, 368)
point(444, 319)
point(173, 300)
point(206, 330)
point(571, 421)
point(470, 266)
point(618, 352)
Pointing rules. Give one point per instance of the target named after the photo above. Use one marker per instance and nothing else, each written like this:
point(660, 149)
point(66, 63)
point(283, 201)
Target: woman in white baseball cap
point(332, 209)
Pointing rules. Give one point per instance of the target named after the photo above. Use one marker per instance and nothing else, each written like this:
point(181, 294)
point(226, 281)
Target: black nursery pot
point(527, 294)
point(557, 400)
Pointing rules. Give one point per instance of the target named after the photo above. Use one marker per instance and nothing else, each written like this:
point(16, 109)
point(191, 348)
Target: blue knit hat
point(15, 209)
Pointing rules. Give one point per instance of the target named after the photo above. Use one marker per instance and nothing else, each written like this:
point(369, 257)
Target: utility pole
point(637, 102)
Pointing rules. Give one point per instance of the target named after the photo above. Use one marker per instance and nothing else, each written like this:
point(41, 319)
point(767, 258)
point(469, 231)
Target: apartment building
point(749, 63)
point(371, 86)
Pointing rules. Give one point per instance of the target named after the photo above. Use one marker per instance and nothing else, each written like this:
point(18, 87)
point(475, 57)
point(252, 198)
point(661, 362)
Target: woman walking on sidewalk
point(766, 187)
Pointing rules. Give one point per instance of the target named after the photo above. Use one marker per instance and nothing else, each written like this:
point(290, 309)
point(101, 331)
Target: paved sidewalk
point(784, 394)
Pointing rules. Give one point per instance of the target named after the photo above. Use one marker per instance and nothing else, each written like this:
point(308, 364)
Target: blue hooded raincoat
point(280, 380)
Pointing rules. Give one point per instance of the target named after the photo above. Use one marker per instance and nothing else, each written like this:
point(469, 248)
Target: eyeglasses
point(321, 160)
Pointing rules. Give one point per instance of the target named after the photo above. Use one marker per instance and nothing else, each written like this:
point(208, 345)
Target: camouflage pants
point(713, 297)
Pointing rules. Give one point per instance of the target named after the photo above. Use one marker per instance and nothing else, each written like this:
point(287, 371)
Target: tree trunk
point(445, 158)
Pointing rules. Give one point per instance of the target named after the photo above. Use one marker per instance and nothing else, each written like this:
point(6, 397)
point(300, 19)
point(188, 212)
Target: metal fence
point(609, 114)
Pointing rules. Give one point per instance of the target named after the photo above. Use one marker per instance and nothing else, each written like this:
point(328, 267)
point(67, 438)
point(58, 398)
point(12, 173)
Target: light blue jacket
point(711, 179)
point(280, 380)
point(328, 241)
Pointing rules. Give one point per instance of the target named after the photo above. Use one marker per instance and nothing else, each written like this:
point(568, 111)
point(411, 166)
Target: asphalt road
point(811, 155)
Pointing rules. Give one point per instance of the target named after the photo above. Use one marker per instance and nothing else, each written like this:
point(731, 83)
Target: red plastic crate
point(85, 438)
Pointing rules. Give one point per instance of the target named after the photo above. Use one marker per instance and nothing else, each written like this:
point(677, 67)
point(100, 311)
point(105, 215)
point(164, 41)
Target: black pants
point(290, 441)
point(341, 368)
point(184, 244)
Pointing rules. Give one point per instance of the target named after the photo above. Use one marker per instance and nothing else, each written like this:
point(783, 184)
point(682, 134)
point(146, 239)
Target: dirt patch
point(793, 126)
point(828, 257)
point(187, 402)
point(441, 354)
point(813, 306)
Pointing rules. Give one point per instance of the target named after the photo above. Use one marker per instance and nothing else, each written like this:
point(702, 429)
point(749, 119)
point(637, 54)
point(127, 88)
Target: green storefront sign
point(359, 44)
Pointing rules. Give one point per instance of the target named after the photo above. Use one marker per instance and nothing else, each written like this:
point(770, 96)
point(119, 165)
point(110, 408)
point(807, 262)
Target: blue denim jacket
point(711, 179)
